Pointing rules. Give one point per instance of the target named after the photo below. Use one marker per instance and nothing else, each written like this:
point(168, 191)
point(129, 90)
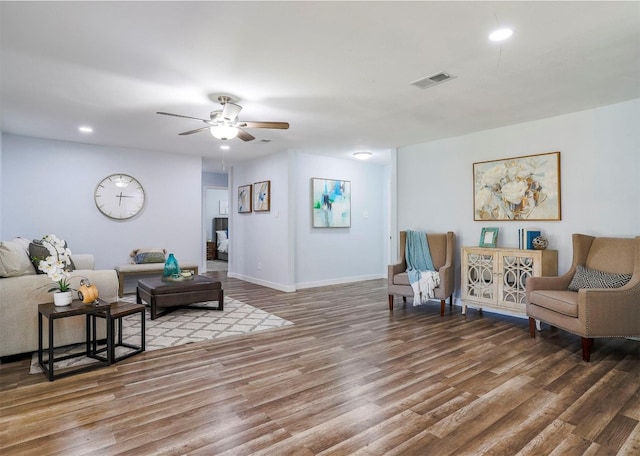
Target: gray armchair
point(442, 248)
point(590, 312)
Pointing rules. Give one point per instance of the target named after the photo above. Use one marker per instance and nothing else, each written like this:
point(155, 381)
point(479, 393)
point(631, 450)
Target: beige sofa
point(19, 299)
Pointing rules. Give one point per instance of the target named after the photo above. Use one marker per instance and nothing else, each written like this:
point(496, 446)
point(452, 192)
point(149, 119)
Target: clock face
point(119, 196)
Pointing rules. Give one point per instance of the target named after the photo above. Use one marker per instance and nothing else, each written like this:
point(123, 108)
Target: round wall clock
point(119, 196)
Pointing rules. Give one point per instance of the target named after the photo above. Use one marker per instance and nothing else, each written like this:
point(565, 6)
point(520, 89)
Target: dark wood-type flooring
point(349, 378)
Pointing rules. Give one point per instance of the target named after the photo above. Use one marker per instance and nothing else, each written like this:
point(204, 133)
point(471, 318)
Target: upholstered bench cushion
point(562, 301)
point(149, 267)
point(156, 286)
point(158, 293)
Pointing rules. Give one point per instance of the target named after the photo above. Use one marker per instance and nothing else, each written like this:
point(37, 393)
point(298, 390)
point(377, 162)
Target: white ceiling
point(338, 72)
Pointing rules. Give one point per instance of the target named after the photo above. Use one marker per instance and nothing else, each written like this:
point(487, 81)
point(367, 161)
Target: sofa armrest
point(394, 269)
point(83, 260)
point(610, 312)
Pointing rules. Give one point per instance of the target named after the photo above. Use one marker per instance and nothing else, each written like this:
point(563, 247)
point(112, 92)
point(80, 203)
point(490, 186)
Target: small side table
point(52, 313)
point(116, 312)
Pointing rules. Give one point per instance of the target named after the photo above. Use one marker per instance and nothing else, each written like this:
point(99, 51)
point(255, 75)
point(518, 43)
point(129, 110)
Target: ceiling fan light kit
point(224, 124)
point(224, 132)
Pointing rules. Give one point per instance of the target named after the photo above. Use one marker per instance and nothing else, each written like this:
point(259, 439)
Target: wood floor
point(348, 378)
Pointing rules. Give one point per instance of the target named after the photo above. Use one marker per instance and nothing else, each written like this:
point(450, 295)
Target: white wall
point(337, 255)
point(600, 177)
point(48, 186)
point(1, 192)
point(260, 242)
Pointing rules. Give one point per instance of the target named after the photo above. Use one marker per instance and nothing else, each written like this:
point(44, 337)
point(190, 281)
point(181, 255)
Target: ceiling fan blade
point(277, 125)
point(190, 132)
point(178, 115)
point(230, 111)
point(243, 135)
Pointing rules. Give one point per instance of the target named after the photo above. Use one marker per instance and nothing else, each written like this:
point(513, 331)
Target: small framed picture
point(244, 199)
point(489, 237)
point(262, 196)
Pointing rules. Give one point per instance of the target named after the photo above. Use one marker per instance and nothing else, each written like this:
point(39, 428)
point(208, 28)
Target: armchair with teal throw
point(598, 297)
point(442, 247)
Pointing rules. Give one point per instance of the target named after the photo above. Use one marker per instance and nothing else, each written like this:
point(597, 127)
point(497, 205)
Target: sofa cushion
point(38, 252)
point(561, 301)
point(144, 256)
point(14, 260)
point(592, 278)
point(401, 279)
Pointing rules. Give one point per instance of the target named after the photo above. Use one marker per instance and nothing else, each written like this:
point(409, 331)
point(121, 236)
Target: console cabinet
point(495, 278)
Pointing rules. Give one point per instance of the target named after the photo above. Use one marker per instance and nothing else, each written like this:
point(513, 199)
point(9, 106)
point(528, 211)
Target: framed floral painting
point(519, 188)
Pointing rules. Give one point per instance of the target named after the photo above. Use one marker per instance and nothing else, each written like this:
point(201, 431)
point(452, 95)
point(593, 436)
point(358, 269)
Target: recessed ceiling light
point(225, 147)
point(85, 129)
point(501, 34)
point(362, 155)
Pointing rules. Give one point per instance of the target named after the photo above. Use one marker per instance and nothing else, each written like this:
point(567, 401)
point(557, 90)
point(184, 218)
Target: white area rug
point(179, 327)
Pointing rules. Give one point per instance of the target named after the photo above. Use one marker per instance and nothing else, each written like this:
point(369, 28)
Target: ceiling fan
point(224, 123)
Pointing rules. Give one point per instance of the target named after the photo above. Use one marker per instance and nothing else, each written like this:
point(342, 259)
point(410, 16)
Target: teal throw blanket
point(417, 255)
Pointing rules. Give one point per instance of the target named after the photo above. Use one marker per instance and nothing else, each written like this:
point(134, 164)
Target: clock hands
point(120, 196)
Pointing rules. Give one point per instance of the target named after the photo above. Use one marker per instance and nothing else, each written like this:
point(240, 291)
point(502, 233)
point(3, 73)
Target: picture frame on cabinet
point(489, 237)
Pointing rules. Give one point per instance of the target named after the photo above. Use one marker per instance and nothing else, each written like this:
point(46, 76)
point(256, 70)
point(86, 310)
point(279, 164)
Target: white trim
point(323, 283)
point(264, 283)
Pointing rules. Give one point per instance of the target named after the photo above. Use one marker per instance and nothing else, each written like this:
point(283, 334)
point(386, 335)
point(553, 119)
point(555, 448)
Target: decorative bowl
point(540, 243)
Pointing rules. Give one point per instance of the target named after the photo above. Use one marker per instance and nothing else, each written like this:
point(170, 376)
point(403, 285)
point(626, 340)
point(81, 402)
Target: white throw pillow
point(14, 260)
point(222, 235)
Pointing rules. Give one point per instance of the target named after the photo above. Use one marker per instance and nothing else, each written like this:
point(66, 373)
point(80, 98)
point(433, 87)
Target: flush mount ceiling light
point(225, 147)
point(224, 131)
point(362, 155)
point(85, 129)
point(501, 34)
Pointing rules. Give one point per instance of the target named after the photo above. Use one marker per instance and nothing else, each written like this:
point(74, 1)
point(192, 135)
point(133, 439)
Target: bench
point(125, 270)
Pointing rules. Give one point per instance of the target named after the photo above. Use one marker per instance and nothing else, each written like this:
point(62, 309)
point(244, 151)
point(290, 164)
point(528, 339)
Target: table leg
point(50, 360)
point(39, 338)
point(110, 349)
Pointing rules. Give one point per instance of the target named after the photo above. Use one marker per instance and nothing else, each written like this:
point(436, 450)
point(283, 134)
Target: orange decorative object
point(88, 293)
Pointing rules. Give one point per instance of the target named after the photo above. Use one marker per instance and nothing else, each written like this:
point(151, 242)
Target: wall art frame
point(489, 237)
point(262, 196)
point(331, 203)
point(517, 188)
point(244, 199)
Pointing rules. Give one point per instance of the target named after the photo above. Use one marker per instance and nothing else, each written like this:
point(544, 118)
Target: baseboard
point(338, 281)
point(264, 283)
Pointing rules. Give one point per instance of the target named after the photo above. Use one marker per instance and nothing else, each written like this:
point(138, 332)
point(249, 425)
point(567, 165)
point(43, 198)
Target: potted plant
point(57, 266)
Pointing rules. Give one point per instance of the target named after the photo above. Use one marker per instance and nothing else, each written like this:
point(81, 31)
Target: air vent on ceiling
point(432, 80)
point(264, 141)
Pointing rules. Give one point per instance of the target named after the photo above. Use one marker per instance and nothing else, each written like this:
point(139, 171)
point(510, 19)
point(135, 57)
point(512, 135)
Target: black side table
point(52, 313)
point(117, 311)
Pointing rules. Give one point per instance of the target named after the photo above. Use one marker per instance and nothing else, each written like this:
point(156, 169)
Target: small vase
point(62, 298)
point(171, 267)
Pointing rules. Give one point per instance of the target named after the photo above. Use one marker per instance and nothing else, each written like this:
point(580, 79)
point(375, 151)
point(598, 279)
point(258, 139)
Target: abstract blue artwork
point(331, 203)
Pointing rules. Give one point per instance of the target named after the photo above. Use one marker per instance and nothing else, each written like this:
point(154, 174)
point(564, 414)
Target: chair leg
point(532, 327)
point(587, 343)
point(442, 302)
point(451, 300)
point(390, 302)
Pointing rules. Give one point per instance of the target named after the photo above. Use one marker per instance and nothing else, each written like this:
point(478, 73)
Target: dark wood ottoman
point(174, 294)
